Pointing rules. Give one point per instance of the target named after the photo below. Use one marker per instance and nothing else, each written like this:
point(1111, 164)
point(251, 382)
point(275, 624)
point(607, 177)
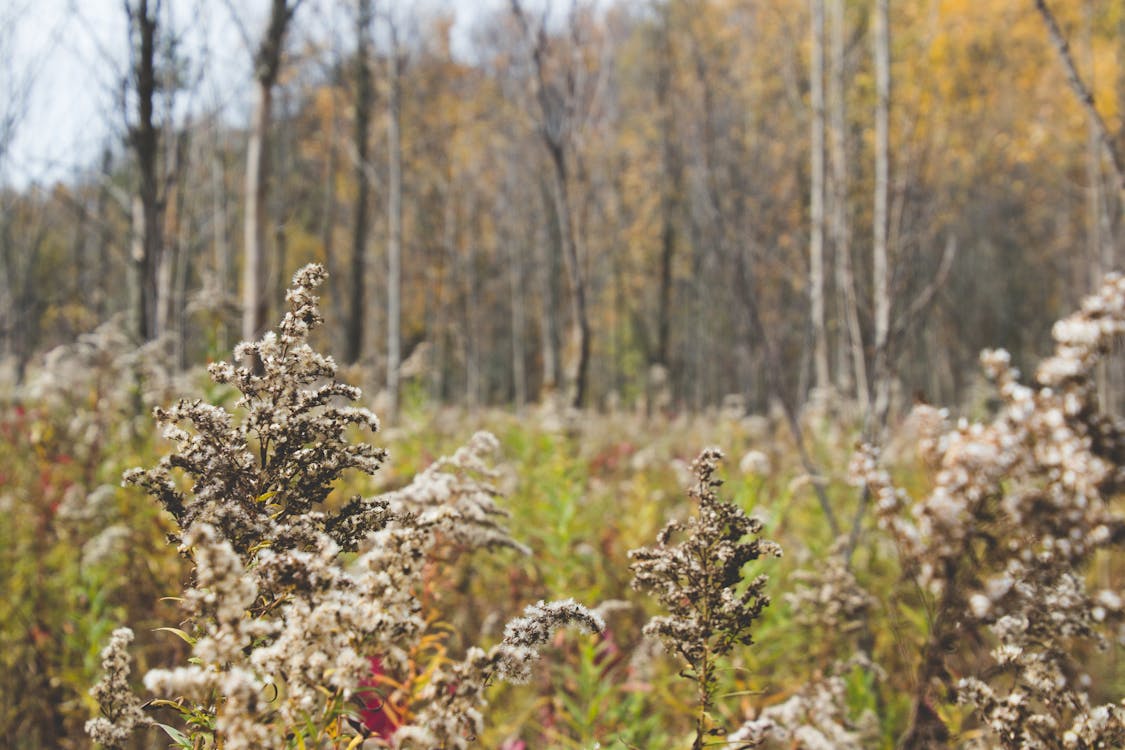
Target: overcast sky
point(69, 57)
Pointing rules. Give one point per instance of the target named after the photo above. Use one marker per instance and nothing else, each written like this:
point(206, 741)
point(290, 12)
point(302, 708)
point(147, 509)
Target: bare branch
point(240, 26)
point(926, 297)
point(1085, 96)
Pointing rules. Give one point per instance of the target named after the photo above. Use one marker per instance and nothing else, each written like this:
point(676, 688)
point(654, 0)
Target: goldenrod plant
point(699, 581)
point(305, 623)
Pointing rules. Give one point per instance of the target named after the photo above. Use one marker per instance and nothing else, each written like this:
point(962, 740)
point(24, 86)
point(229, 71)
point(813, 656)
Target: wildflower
point(815, 719)
point(696, 582)
point(524, 635)
point(754, 463)
point(275, 601)
point(1019, 507)
point(279, 461)
point(121, 709)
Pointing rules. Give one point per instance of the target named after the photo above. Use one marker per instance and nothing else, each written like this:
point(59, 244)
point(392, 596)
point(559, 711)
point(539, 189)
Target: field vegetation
point(290, 584)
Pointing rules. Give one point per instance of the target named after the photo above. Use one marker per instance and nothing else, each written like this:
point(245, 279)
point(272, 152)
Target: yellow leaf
point(180, 634)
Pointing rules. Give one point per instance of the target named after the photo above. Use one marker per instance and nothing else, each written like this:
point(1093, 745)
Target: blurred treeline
point(616, 202)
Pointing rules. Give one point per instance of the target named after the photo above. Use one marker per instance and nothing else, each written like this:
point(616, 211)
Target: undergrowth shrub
point(78, 555)
point(305, 624)
point(1001, 550)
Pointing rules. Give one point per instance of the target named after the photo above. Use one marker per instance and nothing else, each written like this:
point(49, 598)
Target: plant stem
point(704, 699)
point(704, 666)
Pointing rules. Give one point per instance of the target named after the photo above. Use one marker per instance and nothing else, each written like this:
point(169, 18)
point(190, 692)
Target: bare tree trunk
point(548, 328)
point(364, 96)
point(1098, 230)
point(328, 231)
point(283, 141)
point(554, 127)
point(220, 241)
point(436, 324)
point(519, 323)
point(699, 311)
point(173, 247)
point(80, 252)
point(279, 275)
point(178, 307)
point(450, 261)
point(470, 297)
point(257, 174)
point(102, 221)
point(144, 139)
point(519, 369)
point(394, 222)
point(670, 193)
point(165, 278)
point(851, 376)
point(136, 320)
point(880, 269)
point(816, 200)
point(1093, 189)
point(267, 65)
point(580, 333)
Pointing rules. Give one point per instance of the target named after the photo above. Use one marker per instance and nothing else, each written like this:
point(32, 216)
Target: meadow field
point(289, 585)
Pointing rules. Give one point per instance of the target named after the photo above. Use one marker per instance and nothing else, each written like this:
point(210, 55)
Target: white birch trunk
point(267, 65)
point(880, 266)
point(851, 376)
point(254, 225)
point(394, 246)
point(220, 245)
point(816, 200)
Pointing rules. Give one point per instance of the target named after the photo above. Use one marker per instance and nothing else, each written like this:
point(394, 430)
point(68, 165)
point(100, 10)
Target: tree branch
point(1085, 96)
point(926, 297)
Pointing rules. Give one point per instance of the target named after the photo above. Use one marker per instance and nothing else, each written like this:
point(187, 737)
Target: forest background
point(614, 203)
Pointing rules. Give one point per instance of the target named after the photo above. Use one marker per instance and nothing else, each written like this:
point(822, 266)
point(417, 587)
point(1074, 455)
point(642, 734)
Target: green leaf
point(177, 736)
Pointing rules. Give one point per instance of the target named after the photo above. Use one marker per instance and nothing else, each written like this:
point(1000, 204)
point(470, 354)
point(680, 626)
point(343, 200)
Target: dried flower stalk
point(290, 634)
point(699, 582)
